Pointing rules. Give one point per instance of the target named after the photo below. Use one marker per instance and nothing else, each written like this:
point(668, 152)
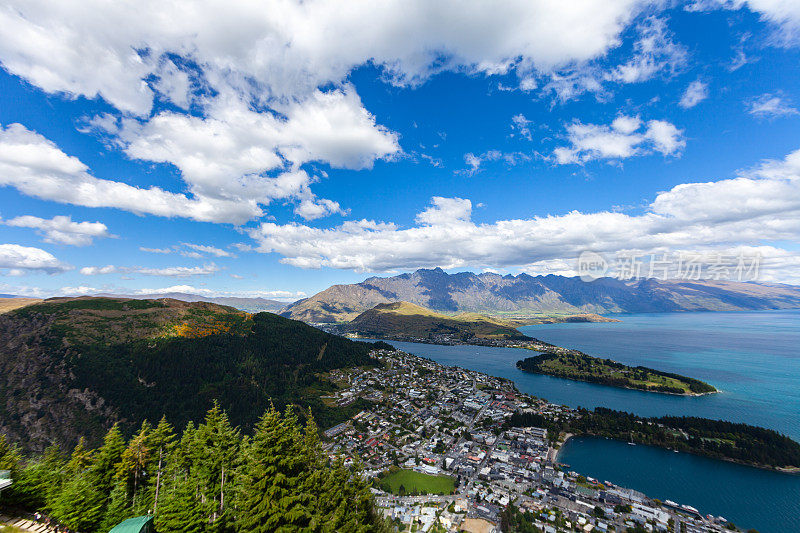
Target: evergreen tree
point(36, 482)
point(80, 459)
point(132, 467)
point(161, 441)
point(119, 507)
point(215, 451)
point(79, 504)
point(107, 459)
point(269, 500)
point(179, 511)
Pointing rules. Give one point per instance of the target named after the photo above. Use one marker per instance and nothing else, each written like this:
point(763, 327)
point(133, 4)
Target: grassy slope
point(406, 319)
point(586, 368)
point(9, 304)
point(417, 482)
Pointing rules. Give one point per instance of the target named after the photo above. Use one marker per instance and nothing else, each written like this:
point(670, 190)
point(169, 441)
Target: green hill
point(73, 366)
point(400, 320)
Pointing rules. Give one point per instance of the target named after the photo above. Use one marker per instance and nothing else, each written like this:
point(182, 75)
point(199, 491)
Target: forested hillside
point(73, 367)
point(211, 478)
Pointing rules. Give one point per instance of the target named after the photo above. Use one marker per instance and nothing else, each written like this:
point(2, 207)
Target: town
point(437, 443)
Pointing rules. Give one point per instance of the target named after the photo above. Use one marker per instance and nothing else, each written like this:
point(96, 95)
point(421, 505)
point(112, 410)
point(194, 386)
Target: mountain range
point(525, 296)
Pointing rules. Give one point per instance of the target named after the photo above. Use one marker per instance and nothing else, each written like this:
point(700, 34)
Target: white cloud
point(25, 258)
point(255, 72)
point(770, 106)
point(626, 137)
point(445, 211)
point(94, 270)
point(176, 271)
point(783, 14)
point(288, 47)
point(176, 288)
point(474, 162)
point(759, 206)
point(654, 53)
point(696, 92)
point(36, 167)
point(212, 250)
point(62, 230)
point(522, 125)
point(156, 250)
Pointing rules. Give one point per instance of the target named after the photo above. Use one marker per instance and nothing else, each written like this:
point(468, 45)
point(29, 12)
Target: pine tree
point(79, 504)
point(134, 460)
point(118, 509)
point(216, 444)
point(271, 475)
point(161, 441)
point(36, 482)
point(179, 511)
point(107, 460)
point(80, 459)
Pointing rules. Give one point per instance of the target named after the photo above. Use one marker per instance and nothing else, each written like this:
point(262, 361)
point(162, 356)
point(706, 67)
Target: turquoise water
point(748, 497)
point(754, 358)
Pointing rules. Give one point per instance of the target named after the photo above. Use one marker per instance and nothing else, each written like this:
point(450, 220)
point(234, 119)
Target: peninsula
point(572, 364)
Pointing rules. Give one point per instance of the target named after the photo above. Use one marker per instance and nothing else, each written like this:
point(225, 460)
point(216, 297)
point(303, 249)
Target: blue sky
point(228, 149)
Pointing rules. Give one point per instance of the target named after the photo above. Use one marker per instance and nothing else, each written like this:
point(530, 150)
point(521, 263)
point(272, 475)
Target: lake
point(752, 357)
point(749, 497)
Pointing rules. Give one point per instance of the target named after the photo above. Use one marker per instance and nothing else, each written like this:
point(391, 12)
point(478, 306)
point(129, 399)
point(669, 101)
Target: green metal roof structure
point(140, 524)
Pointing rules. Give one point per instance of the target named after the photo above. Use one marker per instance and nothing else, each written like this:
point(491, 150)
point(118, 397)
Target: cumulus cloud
point(20, 259)
point(62, 230)
point(696, 92)
point(288, 47)
point(625, 137)
point(275, 96)
point(760, 205)
point(770, 106)
point(36, 167)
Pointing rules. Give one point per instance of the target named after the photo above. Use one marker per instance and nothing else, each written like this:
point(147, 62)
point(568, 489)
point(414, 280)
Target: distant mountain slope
point(251, 305)
point(73, 366)
point(524, 295)
point(403, 320)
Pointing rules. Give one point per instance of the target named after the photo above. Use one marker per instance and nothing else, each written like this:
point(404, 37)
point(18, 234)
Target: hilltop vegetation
point(73, 367)
point(525, 296)
point(572, 364)
point(211, 478)
point(406, 320)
